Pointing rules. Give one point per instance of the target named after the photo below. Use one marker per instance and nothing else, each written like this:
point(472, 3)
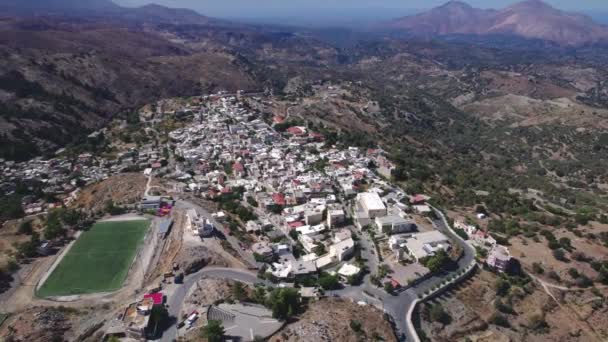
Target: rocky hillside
point(60, 78)
point(531, 19)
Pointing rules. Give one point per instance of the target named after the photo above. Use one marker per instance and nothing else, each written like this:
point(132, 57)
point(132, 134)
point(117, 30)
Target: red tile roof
point(295, 224)
point(279, 199)
point(295, 130)
point(157, 297)
point(238, 167)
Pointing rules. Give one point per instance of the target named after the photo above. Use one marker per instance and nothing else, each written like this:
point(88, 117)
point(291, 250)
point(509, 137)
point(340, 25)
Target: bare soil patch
point(332, 320)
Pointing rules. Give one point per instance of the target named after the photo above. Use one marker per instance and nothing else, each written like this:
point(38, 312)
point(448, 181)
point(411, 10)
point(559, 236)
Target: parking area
point(245, 322)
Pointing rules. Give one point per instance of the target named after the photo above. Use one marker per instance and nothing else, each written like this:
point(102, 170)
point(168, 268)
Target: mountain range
point(531, 19)
point(151, 13)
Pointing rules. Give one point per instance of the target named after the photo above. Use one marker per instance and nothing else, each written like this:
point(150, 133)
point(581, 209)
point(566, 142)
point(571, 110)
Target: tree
point(559, 254)
point(259, 295)
point(329, 282)
point(537, 268)
point(293, 234)
point(213, 331)
point(436, 262)
point(502, 287)
point(10, 208)
point(159, 316)
point(438, 314)
point(319, 249)
point(355, 326)
point(499, 320)
point(284, 302)
point(54, 228)
point(388, 287)
point(26, 228)
point(238, 291)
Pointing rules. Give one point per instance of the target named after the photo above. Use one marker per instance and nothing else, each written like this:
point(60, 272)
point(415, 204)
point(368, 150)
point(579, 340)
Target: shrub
point(559, 254)
point(438, 314)
point(355, 326)
point(500, 320)
point(537, 268)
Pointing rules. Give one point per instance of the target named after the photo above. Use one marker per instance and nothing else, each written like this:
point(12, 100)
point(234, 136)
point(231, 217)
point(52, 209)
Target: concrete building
point(264, 250)
point(372, 204)
point(394, 224)
point(343, 249)
point(426, 244)
point(348, 270)
point(253, 227)
point(313, 216)
point(499, 258)
point(335, 217)
point(150, 202)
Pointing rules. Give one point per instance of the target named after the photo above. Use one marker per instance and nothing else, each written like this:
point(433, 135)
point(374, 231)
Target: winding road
point(176, 301)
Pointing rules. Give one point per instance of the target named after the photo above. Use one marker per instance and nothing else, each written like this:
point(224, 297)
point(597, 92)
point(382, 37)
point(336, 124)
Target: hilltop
point(532, 19)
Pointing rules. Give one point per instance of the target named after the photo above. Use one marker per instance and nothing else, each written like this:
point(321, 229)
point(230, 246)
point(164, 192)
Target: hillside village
point(302, 213)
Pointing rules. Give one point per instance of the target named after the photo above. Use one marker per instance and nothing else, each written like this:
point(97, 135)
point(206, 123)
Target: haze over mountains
point(532, 19)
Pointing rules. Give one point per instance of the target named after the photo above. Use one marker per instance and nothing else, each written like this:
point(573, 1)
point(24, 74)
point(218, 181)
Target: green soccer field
point(98, 261)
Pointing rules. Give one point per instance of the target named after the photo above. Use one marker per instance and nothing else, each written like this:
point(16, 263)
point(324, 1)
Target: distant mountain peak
point(533, 19)
point(456, 4)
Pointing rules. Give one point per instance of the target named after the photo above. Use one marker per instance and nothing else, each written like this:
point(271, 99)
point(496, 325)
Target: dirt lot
point(122, 189)
point(51, 324)
point(572, 316)
point(528, 252)
point(330, 320)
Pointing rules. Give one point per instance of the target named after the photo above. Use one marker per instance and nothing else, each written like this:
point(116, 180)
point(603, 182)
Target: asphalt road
point(397, 306)
point(176, 301)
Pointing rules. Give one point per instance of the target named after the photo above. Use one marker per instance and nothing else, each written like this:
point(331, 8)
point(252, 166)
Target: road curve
point(176, 301)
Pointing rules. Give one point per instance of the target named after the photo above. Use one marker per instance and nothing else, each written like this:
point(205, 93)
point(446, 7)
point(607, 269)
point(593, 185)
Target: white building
point(348, 270)
point(426, 244)
point(372, 204)
point(314, 216)
point(394, 224)
point(253, 227)
point(311, 230)
point(343, 249)
point(335, 217)
point(468, 228)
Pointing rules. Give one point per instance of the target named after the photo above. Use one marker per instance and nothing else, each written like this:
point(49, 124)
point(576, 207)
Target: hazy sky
point(353, 8)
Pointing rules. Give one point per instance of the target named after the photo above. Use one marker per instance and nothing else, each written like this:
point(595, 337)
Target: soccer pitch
point(98, 261)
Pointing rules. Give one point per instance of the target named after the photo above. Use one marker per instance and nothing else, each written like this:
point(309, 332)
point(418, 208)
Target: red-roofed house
point(279, 199)
point(317, 136)
point(157, 298)
point(238, 169)
point(295, 224)
point(297, 131)
point(278, 119)
point(418, 199)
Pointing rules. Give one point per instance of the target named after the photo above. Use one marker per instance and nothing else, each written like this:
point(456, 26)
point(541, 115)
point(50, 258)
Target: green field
point(98, 261)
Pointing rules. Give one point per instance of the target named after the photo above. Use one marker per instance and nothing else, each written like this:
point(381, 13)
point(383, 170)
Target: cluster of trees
point(213, 332)
point(437, 262)
point(27, 249)
point(284, 303)
point(10, 208)
point(111, 208)
point(436, 313)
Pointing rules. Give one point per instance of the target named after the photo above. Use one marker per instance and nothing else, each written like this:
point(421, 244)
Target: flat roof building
point(394, 224)
point(371, 203)
point(426, 244)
